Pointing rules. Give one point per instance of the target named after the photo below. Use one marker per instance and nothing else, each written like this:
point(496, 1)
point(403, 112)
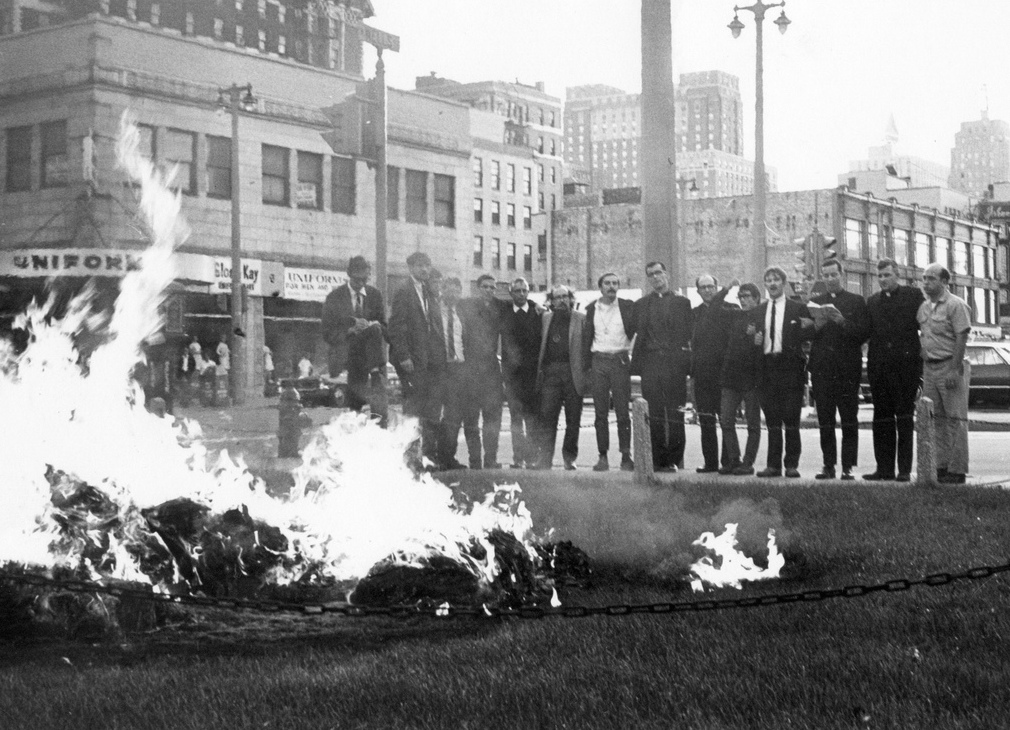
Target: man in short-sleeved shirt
point(944, 324)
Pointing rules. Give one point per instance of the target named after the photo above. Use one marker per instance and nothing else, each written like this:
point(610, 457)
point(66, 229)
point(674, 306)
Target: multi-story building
point(602, 135)
point(980, 156)
point(67, 210)
point(590, 238)
point(917, 172)
point(518, 166)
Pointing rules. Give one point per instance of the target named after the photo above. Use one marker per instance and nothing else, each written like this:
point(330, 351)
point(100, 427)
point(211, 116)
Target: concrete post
point(925, 436)
point(642, 435)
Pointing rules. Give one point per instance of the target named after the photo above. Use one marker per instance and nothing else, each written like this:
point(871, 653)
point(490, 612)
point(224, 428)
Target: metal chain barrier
point(352, 611)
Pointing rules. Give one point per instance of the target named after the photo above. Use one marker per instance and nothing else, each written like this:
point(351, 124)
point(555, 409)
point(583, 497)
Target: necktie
point(451, 335)
point(771, 331)
point(357, 305)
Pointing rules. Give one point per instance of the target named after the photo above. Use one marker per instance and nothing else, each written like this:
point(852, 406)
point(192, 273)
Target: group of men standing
point(459, 359)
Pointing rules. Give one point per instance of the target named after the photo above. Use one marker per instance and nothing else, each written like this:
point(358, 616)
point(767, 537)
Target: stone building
point(305, 210)
point(980, 156)
point(592, 237)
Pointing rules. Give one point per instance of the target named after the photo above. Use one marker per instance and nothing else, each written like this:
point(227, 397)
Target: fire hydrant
point(291, 421)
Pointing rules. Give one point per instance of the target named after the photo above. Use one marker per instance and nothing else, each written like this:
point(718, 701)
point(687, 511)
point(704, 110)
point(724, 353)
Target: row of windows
point(510, 213)
point(495, 254)
point(916, 248)
point(520, 113)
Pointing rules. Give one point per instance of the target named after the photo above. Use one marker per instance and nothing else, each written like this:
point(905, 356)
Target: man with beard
point(662, 357)
point(836, 365)
point(894, 368)
point(520, 346)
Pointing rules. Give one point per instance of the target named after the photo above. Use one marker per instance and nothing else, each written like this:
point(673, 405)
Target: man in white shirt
point(606, 347)
point(455, 388)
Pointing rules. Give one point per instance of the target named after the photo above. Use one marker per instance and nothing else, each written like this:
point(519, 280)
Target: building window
point(527, 181)
point(510, 260)
point(261, 40)
point(527, 217)
point(853, 238)
point(553, 119)
point(282, 44)
point(921, 249)
point(417, 196)
point(960, 257)
point(542, 245)
point(554, 150)
point(54, 170)
point(900, 236)
point(496, 253)
point(554, 201)
point(180, 153)
point(510, 215)
point(978, 261)
point(478, 210)
point(343, 183)
point(478, 172)
point(942, 255)
point(218, 167)
point(19, 159)
point(554, 174)
point(527, 257)
point(275, 175)
point(990, 257)
point(980, 305)
point(445, 201)
point(155, 15)
point(495, 175)
point(392, 193)
point(540, 171)
point(478, 250)
point(510, 178)
point(540, 200)
point(147, 147)
point(218, 28)
point(495, 213)
point(239, 36)
point(540, 145)
point(309, 192)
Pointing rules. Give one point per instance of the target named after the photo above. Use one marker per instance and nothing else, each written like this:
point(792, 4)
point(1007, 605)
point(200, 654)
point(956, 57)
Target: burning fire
point(734, 567)
point(96, 484)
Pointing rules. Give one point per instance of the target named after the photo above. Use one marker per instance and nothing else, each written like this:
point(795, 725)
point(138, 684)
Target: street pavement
point(251, 430)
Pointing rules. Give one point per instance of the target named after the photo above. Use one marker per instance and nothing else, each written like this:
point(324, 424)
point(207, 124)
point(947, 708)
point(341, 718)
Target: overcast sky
point(831, 81)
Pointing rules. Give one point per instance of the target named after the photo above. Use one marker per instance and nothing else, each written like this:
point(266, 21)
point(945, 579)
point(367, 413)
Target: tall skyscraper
point(981, 155)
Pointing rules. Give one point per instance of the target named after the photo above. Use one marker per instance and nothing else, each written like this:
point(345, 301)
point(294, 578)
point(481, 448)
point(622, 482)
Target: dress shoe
point(941, 473)
point(452, 465)
point(952, 477)
point(793, 473)
point(669, 469)
point(743, 470)
point(516, 466)
point(903, 477)
point(728, 469)
point(475, 465)
point(602, 464)
point(492, 465)
point(827, 472)
point(707, 469)
point(570, 466)
point(627, 464)
point(847, 476)
point(770, 473)
point(878, 477)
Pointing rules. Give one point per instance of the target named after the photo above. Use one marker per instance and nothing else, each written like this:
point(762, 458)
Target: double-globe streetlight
point(236, 99)
point(760, 253)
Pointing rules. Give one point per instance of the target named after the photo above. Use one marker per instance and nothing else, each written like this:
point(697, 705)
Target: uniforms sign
point(68, 262)
point(311, 285)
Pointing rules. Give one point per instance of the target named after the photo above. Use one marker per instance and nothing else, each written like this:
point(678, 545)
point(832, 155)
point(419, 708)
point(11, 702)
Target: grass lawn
point(926, 658)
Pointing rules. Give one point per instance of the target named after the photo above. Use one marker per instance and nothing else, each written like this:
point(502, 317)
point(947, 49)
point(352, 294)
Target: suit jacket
point(894, 330)
point(482, 325)
point(793, 334)
point(412, 335)
point(837, 349)
point(710, 334)
point(674, 329)
point(575, 328)
point(521, 333)
point(625, 306)
point(347, 351)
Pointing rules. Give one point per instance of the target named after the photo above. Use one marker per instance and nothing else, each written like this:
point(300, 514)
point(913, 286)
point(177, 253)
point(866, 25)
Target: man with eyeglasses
point(520, 343)
point(708, 349)
point(662, 357)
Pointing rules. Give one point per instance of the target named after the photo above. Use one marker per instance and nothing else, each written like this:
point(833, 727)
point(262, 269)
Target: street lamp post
point(760, 253)
point(236, 98)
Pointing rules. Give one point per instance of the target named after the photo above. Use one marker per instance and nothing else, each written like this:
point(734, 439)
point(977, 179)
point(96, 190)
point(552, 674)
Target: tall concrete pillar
point(657, 154)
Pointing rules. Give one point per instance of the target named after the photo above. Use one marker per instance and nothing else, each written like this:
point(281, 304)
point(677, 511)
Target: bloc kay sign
point(252, 276)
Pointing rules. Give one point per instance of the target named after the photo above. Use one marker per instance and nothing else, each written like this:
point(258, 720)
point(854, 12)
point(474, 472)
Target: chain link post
point(644, 474)
point(925, 436)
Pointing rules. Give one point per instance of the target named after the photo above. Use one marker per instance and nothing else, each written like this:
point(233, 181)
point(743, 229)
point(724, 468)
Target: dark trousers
point(782, 402)
point(456, 395)
point(611, 376)
point(833, 394)
point(557, 390)
point(730, 443)
point(894, 388)
point(708, 403)
point(524, 409)
point(422, 400)
point(484, 400)
point(664, 386)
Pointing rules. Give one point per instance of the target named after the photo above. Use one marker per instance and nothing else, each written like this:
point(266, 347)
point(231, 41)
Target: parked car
point(319, 391)
point(990, 371)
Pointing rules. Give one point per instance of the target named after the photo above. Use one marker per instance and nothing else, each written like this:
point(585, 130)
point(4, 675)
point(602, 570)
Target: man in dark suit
point(783, 324)
point(520, 345)
point(354, 326)
point(709, 340)
point(456, 387)
point(836, 365)
point(894, 368)
point(417, 349)
point(606, 354)
point(482, 326)
point(561, 376)
point(662, 357)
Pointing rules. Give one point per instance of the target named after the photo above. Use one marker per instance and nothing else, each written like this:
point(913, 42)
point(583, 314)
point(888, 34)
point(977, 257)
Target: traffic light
point(828, 250)
point(803, 253)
